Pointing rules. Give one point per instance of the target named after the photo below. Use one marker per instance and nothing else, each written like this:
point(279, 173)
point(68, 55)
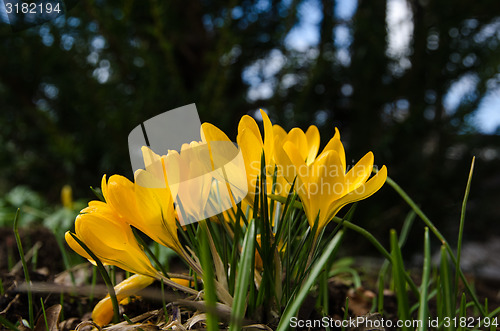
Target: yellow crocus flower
point(67, 197)
point(103, 311)
point(323, 184)
point(110, 239)
point(149, 209)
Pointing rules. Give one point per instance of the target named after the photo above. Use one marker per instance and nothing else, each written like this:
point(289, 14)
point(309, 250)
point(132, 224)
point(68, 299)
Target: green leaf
point(294, 304)
point(245, 274)
point(445, 283)
point(25, 268)
point(423, 310)
point(461, 227)
point(398, 274)
point(208, 279)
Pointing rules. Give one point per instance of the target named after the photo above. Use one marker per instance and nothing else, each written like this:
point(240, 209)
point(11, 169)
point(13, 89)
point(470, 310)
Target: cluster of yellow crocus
point(323, 182)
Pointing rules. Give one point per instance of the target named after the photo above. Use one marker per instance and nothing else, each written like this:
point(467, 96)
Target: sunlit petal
point(362, 192)
point(112, 242)
point(279, 134)
point(268, 141)
point(248, 123)
point(336, 145)
point(298, 138)
point(251, 148)
point(313, 141)
point(360, 172)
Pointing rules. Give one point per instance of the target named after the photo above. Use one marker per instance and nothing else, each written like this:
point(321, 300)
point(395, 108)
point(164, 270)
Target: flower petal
point(157, 214)
point(362, 192)
point(313, 141)
point(298, 138)
point(279, 133)
point(268, 140)
point(327, 185)
point(76, 247)
point(120, 197)
point(336, 145)
point(251, 149)
point(358, 174)
point(248, 123)
point(103, 311)
point(299, 165)
point(113, 242)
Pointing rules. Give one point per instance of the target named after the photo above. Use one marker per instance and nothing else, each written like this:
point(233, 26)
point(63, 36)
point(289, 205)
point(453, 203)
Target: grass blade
point(463, 311)
point(398, 274)
point(445, 283)
point(25, 268)
point(461, 228)
point(423, 310)
point(293, 305)
point(245, 274)
point(441, 238)
point(8, 324)
point(208, 280)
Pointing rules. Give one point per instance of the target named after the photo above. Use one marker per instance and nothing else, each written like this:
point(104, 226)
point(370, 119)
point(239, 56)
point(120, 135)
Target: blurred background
point(416, 82)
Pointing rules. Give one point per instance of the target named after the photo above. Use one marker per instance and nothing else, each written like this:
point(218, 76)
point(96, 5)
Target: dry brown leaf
point(52, 313)
point(195, 319)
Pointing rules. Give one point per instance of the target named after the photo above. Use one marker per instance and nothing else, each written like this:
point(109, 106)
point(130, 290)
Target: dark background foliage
point(71, 90)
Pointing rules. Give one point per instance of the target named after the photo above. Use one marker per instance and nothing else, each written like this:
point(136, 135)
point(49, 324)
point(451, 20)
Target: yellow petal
point(104, 187)
point(303, 183)
point(248, 123)
point(154, 165)
point(279, 133)
point(157, 219)
point(358, 174)
point(298, 162)
point(120, 196)
point(210, 132)
point(362, 192)
point(182, 281)
point(221, 149)
point(313, 141)
point(113, 242)
point(251, 149)
point(298, 138)
point(286, 168)
point(103, 311)
point(76, 246)
point(327, 183)
point(336, 145)
point(268, 141)
point(98, 206)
